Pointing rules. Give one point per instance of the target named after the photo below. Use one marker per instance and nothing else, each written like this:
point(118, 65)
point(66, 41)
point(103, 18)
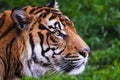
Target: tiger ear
point(53, 4)
point(20, 18)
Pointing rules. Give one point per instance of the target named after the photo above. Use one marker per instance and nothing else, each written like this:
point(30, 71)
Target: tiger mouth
point(64, 65)
point(68, 66)
point(73, 66)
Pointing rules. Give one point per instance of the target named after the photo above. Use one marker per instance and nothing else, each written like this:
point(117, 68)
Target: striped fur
point(37, 40)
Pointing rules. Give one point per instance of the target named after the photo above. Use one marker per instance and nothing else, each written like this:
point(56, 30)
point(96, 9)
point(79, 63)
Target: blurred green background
point(98, 23)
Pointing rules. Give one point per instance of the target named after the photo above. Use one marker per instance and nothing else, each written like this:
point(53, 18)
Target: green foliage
point(98, 23)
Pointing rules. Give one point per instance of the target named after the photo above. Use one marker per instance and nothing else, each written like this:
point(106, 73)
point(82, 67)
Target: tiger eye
point(57, 32)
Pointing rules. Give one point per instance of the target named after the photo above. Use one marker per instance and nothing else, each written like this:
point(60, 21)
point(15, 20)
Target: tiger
point(35, 40)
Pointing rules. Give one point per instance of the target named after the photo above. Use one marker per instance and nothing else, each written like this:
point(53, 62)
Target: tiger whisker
point(63, 66)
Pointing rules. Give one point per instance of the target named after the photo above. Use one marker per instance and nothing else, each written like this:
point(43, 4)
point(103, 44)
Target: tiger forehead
point(49, 13)
point(36, 10)
point(64, 20)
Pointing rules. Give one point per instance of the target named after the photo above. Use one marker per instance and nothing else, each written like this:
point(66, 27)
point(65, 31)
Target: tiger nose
point(85, 52)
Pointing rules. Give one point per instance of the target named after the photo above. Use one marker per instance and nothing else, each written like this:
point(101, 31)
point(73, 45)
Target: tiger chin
point(37, 40)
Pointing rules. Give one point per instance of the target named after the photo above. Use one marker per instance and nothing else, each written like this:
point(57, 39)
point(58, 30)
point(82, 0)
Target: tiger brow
point(52, 17)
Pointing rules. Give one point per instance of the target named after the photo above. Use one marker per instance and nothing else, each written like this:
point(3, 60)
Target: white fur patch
point(81, 68)
point(56, 6)
point(49, 53)
point(77, 71)
point(62, 27)
point(57, 51)
point(63, 32)
point(37, 70)
point(38, 53)
point(26, 57)
point(51, 23)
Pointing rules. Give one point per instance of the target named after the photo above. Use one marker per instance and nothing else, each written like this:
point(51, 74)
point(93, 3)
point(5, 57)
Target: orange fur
point(13, 44)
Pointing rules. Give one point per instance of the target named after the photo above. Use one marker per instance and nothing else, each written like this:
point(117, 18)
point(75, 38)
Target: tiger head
point(52, 42)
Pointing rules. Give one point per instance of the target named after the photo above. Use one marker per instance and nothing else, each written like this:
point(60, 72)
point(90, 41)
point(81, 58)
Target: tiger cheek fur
point(37, 40)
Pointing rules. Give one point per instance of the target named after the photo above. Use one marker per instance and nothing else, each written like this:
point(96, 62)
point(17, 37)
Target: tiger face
point(52, 43)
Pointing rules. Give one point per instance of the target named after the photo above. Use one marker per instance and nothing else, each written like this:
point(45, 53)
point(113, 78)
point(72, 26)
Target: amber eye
point(57, 32)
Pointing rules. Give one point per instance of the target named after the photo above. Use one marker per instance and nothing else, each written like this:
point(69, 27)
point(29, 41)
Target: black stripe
point(52, 17)
point(28, 63)
point(32, 10)
point(18, 68)
point(62, 35)
point(8, 57)
point(7, 31)
point(57, 23)
point(40, 16)
point(59, 52)
point(41, 44)
point(33, 54)
point(69, 56)
point(39, 21)
point(42, 27)
point(31, 41)
point(38, 7)
point(72, 59)
point(47, 40)
point(39, 11)
point(5, 64)
point(32, 46)
point(55, 11)
point(44, 15)
point(52, 39)
point(51, 27)
point(41, 39)
point(47, 11)
point(2, 19)
point(31, 29)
